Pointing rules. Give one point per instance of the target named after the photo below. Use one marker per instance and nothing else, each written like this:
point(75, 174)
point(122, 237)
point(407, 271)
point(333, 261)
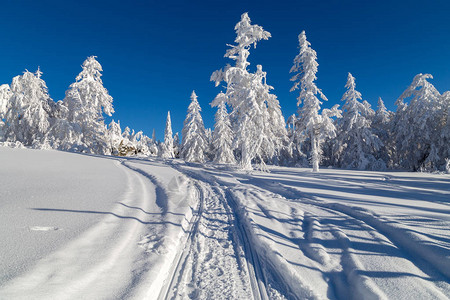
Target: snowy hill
point(92, 227)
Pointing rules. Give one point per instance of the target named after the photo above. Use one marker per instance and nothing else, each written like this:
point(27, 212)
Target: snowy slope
point(76, 226)
point(84, 227)
point(47, 199)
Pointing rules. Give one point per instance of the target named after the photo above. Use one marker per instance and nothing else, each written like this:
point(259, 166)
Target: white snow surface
point(79, 226)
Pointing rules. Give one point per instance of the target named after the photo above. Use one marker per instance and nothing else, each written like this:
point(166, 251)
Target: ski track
point(213, 264)
point(179, 263)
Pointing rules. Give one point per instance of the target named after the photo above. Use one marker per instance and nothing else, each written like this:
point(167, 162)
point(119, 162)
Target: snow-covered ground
point(84, 227)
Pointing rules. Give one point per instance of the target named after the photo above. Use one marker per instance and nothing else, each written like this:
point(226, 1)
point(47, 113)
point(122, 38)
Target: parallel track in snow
point(178, 265)
point(253, 265)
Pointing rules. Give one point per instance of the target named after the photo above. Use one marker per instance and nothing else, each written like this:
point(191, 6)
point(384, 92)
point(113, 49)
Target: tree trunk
point(314, 154)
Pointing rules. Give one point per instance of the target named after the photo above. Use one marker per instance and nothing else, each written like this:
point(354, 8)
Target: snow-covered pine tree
point(5, 96)
point(294, 149)
point(275, 142)
point(381, 118)
point(249, 111)
point(153, 145)
point(311, 127)
point(195, 143)
point(176, 145)
point(115, 138)
point(444, 140)
point(223, 135)
point(356, 146)
point(87, 100)
point(209, 151)
point(28, 110)
point(417, 127)
point(140, 143)
point(166, 148)
point(127, 145)
point(381, 123)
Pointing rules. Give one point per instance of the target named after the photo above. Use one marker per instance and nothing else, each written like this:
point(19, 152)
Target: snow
point(92, 227)
point(117, 228)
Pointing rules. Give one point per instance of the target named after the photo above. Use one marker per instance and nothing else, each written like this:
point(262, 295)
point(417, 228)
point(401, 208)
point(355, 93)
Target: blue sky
point(154, 54)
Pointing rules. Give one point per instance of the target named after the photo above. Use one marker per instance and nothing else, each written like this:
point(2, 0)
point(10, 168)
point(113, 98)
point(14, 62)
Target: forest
point(250, 130)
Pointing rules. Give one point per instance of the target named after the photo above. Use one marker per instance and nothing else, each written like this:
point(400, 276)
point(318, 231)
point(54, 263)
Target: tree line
point(254, 132)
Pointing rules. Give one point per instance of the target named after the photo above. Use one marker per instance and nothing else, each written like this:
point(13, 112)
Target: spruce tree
point(87, 100)
point(356, 146)
point(311, 127)
point(195, 143)
point(166, 148)
point(381, 127)
point(222, 135)
point(417, 126)
point(245, 95)
point(5, 96)
point(28, 110)
point(115, 138)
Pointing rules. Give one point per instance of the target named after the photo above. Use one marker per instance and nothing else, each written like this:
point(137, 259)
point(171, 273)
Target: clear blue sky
point(154, 54)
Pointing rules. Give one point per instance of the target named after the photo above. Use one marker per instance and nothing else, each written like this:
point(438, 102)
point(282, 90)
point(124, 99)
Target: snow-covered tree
point(356, 146)
point(141, 143)
point(381, 118)
point(209, 151)
point(311, 126)
point(115, 138)
point(87, 100)
point(381, 127)
point(417, 127)
point(444, 140)
point(28, 110)
point(275, 142)
point(166, 148)
point(153, 146)
point(5, 96)
point(294, 144)
point(176, 145)
point(223, 135)
point(195, 143)
point(247, 95)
